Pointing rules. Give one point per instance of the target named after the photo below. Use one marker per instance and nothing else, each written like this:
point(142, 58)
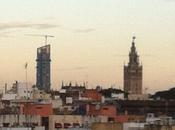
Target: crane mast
point(45, 36)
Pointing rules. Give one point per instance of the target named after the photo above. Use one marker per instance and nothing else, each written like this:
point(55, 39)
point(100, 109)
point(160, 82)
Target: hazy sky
point(92, 40)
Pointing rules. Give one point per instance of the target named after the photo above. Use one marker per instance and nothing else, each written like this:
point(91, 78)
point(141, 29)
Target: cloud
point(18, 25)
point(6, 34)
point(75, 30)
point(170, 0)
point(74, 68)
point(49, 18)
point(29, 25)
point(87, 30)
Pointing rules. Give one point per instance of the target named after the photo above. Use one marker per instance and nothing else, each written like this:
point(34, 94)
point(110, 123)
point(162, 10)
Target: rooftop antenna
point(27, 115)
point(38, 35)
point(26, 67)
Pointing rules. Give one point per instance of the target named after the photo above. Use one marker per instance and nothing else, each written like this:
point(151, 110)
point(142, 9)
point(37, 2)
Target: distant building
point(62, 122)
point(107, 126)
point(108, 110)
point(92, 94)
point(19, 90)
point(42, 109)
point(13, 121)
point(133, 73)
point(71, 93)
point(43, 68)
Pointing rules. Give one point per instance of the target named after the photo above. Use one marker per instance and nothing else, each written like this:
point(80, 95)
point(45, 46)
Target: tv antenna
point(38, 35)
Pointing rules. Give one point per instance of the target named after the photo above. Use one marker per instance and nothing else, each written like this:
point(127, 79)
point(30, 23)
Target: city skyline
point(92, 40)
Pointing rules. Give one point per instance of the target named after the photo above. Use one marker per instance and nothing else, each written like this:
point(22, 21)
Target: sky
point(92, 40)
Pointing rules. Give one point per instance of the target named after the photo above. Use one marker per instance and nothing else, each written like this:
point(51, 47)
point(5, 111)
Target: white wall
point(118, 96)
point(133, 126)
point(138, 97)
point(15, 128)
point(24, 91)
point(8, 96)
point(14, 119)
point(56, 103)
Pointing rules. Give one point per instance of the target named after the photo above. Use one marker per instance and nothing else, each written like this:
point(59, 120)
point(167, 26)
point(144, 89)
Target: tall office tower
point(43, 68)
point(133, 72)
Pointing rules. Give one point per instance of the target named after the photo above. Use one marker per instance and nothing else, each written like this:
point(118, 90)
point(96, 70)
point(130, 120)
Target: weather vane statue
point(133, 38)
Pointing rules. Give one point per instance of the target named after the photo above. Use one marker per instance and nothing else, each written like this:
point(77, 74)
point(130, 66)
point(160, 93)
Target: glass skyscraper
point(43, 68)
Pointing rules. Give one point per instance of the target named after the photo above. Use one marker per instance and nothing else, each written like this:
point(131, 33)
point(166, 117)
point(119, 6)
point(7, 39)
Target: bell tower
point(133, 72)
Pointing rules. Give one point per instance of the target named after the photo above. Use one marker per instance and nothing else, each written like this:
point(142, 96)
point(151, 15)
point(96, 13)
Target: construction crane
point(38, 35)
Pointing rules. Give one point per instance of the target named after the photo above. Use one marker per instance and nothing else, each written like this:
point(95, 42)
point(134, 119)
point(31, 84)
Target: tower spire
point(133, 39)
point(133, 57)
point(133, 72)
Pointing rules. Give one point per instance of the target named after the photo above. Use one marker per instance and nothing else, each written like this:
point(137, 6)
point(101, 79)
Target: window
point(76, 125)
point(105, 108)
point(58, 125)
point(67, 125)
point(38, 107)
